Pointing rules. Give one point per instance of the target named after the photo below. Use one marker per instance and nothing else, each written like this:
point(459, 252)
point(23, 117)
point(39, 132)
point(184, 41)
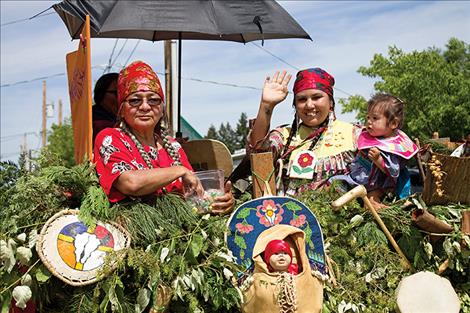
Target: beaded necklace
point(166, 144)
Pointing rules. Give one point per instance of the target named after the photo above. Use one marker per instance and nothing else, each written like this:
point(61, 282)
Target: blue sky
point(346, 35)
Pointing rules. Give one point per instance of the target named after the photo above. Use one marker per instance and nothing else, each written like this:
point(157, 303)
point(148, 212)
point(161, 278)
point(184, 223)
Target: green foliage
point(233, 138)
point(432, 83)
point(242, 131)
point(9, 174)
point(355, 103)
point(171, 246)
point(61, 142)
point(175, 248)
point(212, 133)
point(366, 267)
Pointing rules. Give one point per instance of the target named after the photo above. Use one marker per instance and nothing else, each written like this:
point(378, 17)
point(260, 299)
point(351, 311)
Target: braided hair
point(292, 132)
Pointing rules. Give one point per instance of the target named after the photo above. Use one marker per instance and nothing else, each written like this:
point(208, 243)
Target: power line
point(26, 19)
point(108, 67)
point(17, 135)
point(294, 67)
point(119, 53)
point(160, 73)
point(132, 52)
point(41, 78)
point(275, 56)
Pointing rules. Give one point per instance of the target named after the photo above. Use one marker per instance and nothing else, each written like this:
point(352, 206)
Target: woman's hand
point(224, 204)
point(192, 184)
point(275, 89)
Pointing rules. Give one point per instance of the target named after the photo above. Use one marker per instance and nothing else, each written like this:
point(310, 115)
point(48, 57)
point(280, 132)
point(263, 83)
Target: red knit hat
point(314, 78)
point(276, 246)
point(138, 76)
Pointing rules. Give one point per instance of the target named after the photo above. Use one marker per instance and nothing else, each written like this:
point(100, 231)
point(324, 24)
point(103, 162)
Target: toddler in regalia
point(383, 150)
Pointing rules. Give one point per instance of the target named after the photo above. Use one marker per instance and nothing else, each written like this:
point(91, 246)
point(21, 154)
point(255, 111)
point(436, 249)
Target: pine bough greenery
point(181, 253)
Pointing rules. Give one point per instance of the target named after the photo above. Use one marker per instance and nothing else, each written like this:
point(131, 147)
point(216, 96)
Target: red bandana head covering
point(138, 76)
point(314, 78)
point(276, 246)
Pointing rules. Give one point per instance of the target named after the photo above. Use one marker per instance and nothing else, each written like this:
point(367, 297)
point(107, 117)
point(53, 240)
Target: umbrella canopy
point(239, 20)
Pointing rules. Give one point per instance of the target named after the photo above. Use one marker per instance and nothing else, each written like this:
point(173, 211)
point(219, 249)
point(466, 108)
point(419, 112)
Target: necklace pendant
point(302, 165)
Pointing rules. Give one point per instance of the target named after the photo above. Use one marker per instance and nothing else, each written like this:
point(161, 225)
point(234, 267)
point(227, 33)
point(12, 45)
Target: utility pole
point(60, 112)
point(24, 151)
point(168, 84)
point(44, 120)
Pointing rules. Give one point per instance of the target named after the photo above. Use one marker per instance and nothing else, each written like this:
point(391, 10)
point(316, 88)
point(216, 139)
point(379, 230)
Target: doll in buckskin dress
point(383, 150)
point(283, 281)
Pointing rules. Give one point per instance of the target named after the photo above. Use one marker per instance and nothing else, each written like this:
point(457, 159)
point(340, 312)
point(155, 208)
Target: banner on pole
point(79, 80)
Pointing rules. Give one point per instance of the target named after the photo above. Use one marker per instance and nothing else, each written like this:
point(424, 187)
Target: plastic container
point(213, 183)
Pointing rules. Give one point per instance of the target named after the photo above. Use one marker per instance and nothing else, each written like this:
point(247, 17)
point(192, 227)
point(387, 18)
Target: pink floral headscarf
point(138, 76)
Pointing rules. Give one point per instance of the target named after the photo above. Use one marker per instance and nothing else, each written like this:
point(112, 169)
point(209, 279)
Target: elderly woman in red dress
point(139, 158)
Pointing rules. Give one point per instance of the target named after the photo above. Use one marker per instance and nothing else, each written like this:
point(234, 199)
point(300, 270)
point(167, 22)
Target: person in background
point(316, 146)
point(139, 158)
point(104, 112)
point(464, 149)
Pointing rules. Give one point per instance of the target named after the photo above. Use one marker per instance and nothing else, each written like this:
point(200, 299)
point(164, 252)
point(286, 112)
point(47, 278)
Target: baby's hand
point(373, 154)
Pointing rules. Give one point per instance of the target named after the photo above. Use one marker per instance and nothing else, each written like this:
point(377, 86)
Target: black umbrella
point(239, 20)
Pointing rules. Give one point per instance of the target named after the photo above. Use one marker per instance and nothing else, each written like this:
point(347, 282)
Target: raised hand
point(275, 89)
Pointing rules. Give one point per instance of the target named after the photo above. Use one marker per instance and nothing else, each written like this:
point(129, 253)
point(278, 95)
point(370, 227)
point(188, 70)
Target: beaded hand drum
point(253, 217)
point(75, 252)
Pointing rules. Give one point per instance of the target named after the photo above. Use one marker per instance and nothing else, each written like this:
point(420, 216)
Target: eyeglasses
point(137, 102)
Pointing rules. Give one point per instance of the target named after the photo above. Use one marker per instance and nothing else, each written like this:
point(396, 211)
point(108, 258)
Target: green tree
point(212, 133)
point(241, 131)
point(61, 143)
point(434, 84)
point(233, 139)
point(228, 136)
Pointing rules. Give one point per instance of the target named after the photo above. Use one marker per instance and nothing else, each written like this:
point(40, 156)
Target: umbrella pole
point(179, 134)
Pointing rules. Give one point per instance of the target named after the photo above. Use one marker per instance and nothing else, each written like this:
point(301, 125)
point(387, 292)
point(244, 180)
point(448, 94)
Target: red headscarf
point(314, 78)
point(138, 76)
point(276, 246)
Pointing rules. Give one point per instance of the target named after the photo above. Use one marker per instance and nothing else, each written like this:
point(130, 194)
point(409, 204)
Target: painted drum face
point(84, 248)
point(74, 252)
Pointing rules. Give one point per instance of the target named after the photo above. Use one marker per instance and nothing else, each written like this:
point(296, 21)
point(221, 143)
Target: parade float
point(65, 248)
point(172, 259)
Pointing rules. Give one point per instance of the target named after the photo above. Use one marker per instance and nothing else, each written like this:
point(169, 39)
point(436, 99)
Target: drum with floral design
point(255, 216)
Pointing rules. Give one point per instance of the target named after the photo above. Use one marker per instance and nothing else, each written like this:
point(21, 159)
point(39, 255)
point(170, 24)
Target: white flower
point(7, 255)
point(456, 246)
point(21, 237)
point(33, 237)
point(164, 254)
point(227, 273)
point(24, 255)
point(226, 256)
point(356, 220)
point(21, 294)
point(26, 280)
point(428, 249)
point(143, 299)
